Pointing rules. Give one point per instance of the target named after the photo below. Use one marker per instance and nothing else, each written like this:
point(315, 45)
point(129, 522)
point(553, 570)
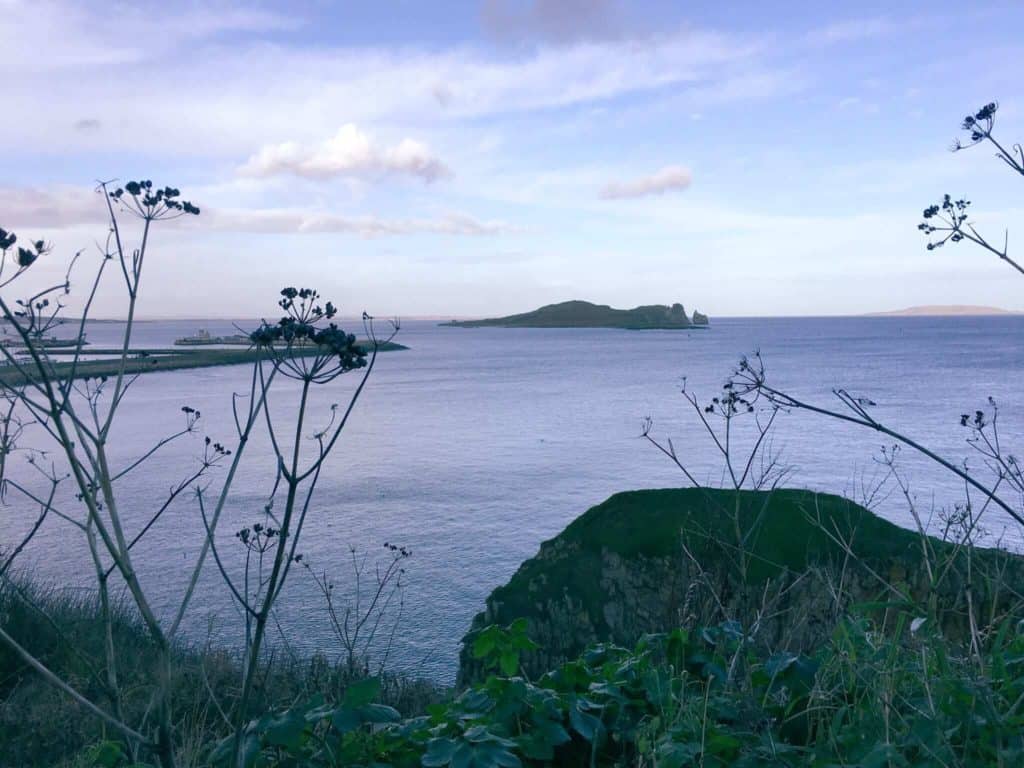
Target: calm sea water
point(475, 445)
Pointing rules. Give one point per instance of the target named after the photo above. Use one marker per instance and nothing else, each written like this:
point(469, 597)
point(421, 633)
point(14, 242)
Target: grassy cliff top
point(583, 314)
point(784, 530)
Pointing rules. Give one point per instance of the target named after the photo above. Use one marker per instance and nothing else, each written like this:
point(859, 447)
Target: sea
point(475, 445)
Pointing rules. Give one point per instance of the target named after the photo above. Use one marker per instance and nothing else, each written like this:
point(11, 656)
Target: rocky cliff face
point(785, 564)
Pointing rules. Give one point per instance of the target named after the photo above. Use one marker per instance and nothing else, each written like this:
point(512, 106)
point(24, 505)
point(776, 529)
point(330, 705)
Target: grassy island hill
point(584, 314)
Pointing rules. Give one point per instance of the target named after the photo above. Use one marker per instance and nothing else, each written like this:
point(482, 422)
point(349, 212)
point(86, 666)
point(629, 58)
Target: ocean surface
point(475, 445)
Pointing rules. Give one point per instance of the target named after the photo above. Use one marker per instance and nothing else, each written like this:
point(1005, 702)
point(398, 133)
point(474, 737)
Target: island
point(584, 314)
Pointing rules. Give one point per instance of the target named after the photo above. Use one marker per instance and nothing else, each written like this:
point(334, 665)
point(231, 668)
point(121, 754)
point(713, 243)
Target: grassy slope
point(40, 726)
point(652, 522)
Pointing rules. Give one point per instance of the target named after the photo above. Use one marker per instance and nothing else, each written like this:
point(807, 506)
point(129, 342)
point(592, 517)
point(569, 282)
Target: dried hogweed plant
point(61, 419)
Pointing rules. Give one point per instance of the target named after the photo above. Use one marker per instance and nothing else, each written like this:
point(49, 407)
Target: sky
point(468, 158)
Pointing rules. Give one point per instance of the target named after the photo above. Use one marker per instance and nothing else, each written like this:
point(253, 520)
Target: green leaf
point(439, 753)
point(345, 720)
point(718, 743)
point(379, 713)
point(361, 693)
point(508, 662)
point(464, 756)
point(486, 641)
point(540, 742)
point(778, 663)
point(584, 723)
point(286, 730)
point(106, 754)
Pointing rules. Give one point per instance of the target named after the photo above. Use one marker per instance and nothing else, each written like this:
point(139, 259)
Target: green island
point(584, 314)
point(154, 360)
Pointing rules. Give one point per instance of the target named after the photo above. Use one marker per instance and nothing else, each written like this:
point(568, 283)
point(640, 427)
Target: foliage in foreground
point(707, 697)
point(40, 726)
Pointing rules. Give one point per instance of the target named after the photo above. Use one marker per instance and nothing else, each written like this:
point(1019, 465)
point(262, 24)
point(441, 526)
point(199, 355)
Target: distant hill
point(583, 314)
point(944, 310)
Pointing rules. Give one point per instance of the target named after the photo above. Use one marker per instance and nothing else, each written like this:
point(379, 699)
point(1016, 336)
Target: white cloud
point(350, 152)
point(669, 178)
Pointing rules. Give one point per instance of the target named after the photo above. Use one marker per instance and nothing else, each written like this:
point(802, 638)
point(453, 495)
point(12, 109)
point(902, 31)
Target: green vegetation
point(705, 697)
point(866, 695)
point(789, 560)
point(660, 523)
point(583, 314)
point(40, 726)
point(156, 360)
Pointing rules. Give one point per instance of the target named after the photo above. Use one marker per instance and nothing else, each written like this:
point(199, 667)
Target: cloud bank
point(668, 179)
point(350, 152)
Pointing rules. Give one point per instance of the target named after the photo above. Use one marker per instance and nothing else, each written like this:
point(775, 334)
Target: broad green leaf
point(439, 753)
point(361, 693)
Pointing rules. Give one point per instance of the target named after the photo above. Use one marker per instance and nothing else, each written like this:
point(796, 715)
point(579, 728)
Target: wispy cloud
point(304, 222)
point(127, 69)
point(350, 152)
point(59, 207)
point(79, 36)
point(553, 21)
point(668, 179)
point(851, 30)
point(87, 125)
point(66, 207)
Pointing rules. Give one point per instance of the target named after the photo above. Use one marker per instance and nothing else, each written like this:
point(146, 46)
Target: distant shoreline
point(142, 361)
point(945, 310)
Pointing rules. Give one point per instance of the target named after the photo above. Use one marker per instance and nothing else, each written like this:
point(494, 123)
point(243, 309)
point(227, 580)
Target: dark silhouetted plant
point(70, 419)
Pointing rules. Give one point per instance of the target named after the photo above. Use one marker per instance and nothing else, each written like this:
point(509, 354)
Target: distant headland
point(584, 314)
point(944, 310)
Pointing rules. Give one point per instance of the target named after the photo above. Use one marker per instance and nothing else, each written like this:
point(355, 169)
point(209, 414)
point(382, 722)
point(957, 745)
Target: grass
point(154, 360)
point(39, 726)
point(749, 544)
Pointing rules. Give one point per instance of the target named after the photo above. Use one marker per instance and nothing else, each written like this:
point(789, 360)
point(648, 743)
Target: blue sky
point(468, 158)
